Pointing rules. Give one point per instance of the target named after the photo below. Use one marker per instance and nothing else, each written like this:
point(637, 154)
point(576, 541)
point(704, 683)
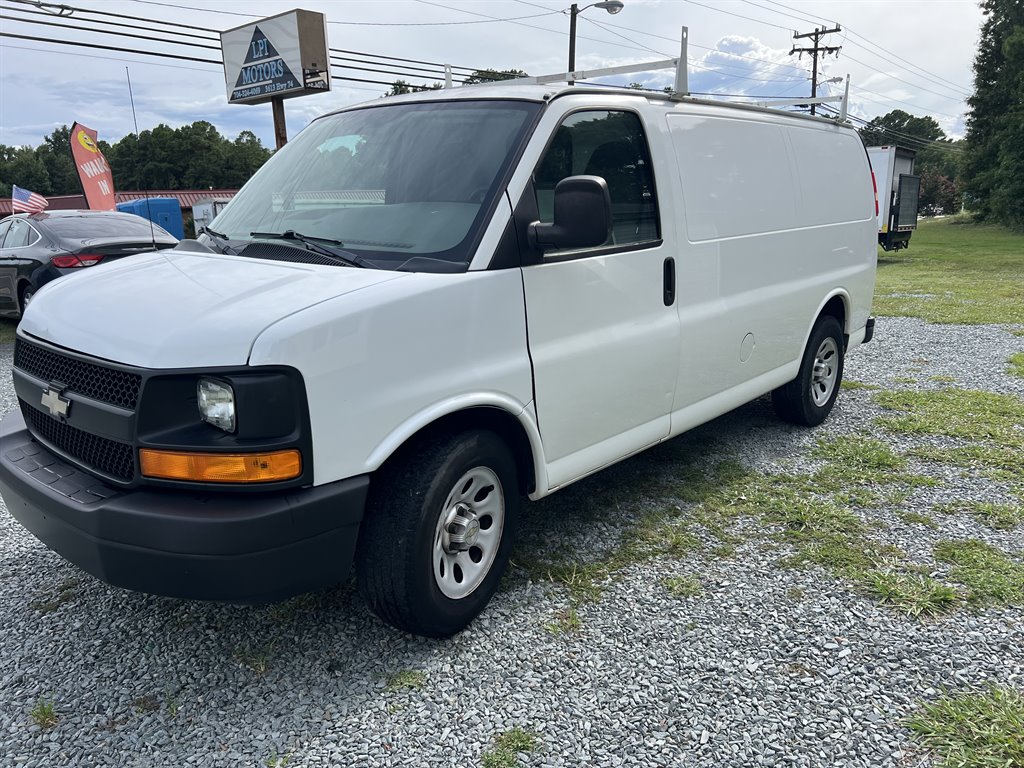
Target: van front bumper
point(235, 547)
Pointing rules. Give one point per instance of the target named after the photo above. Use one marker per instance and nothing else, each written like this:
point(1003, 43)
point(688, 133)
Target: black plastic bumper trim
point(245, 548)
point(869, 330)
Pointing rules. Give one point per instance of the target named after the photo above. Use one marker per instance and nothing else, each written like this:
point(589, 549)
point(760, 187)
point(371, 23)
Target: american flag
point(23, 201)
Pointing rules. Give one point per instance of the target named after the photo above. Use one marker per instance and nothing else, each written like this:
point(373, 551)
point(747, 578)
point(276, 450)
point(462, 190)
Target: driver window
point(611, 145)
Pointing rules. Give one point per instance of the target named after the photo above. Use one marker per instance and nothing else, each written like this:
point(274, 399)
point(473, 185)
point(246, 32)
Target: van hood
point(182, 309)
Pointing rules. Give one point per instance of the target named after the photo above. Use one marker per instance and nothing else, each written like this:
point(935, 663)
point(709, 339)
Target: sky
point(914, 55)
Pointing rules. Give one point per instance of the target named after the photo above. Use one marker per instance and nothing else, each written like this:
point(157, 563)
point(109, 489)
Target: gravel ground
point(767, 666)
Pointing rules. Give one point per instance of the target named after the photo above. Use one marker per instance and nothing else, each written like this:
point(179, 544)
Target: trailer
point(898, 192)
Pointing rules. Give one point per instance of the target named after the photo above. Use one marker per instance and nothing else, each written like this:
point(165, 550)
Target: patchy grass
point(914, 593)
point(954, 272)
point(851, 384)
point(65, 592)
point(43, 714)
point(991, 577)
point(406, 679)
point(7, 331)
point(278, 761)
point(566, 622)
point(507, 746)
point(256, 659)
point(145, 704)
point(683, 586)
point(963, 413)
point(974, 730)
point(1002, 517)
point(917, 518)
point(1016, 365)
point(995, 462)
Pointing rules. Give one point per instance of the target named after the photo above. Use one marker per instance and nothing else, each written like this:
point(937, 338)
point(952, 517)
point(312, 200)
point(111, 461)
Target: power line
point(869, 42)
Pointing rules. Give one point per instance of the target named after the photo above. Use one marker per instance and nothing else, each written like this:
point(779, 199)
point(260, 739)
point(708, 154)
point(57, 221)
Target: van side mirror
point(582, 216)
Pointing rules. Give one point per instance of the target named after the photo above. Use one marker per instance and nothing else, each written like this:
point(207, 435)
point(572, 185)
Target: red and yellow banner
point(93, 171)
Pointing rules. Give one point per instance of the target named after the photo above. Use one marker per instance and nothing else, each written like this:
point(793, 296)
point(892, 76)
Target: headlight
point(217, 403)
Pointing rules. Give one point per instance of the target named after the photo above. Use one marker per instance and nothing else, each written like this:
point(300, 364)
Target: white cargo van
point(419, 310)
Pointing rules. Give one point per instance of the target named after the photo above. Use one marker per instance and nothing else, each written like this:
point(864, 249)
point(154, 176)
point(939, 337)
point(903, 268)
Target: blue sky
point(914, 55)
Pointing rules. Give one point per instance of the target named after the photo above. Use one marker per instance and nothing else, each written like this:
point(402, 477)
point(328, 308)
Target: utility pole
point(817, 34)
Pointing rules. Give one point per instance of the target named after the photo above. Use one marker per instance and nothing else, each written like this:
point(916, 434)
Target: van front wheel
point(438, 533)
point(808, 399)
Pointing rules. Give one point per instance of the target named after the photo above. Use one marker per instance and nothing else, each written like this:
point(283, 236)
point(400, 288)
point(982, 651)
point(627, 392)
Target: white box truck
point(546, 281)
point(898, 191)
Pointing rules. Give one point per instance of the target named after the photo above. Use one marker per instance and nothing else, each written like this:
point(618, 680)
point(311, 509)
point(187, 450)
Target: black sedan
point(40, 247)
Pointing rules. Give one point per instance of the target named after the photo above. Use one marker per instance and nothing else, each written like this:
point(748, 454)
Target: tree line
point(194, 156)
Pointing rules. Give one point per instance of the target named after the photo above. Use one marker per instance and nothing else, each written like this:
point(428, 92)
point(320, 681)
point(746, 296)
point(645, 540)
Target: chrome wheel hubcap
point(468, 533)
point(825, 372)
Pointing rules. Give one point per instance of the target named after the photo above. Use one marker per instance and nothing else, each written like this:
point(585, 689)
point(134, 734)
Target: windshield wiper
point(324, 246)
point(225, 240)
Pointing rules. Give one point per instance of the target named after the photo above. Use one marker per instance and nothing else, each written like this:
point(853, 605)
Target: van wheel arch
point(502, 423)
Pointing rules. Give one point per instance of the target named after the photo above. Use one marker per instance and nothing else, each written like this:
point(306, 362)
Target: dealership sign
point(278, 57)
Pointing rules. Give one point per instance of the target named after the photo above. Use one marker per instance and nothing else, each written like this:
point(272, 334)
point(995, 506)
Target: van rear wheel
point(808, 399)
point(438, 533)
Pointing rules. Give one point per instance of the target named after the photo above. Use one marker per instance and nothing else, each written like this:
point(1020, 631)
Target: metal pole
point(280, 130)
point(573, 11)
point(814, 68)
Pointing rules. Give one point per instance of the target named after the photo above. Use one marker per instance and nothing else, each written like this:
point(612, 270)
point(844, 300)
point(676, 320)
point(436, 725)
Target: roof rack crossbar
point(585, 74)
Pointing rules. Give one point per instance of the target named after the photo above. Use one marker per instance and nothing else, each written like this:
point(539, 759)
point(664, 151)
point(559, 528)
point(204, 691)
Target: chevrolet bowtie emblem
point(52, 400)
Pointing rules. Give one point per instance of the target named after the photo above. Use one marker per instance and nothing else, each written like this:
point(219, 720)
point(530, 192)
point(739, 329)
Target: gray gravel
point(766, 666)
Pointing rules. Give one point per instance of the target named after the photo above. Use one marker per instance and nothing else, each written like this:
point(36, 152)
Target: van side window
point(611, 145)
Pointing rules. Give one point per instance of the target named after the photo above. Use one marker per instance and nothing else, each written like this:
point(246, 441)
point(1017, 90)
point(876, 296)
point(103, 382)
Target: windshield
point(403, 186)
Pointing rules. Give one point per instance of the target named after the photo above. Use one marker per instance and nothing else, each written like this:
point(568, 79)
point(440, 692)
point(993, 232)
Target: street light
point(612, 6)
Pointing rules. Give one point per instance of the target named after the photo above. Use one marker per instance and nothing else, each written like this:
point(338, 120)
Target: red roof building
point(187, 198)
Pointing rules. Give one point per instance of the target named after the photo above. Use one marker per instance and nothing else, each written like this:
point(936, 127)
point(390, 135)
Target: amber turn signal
point(221, 467)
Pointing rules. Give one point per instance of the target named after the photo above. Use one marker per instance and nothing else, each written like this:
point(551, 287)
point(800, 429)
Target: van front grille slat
point(110, 457)
point(98, 382)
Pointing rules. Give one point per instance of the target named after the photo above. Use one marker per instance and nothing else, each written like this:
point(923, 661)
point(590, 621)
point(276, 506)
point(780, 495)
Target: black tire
point(26, 296)
point(808, 399)
point(400, 560)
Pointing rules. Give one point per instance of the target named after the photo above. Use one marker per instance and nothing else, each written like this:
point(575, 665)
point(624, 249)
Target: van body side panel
point(768, 241)
point(373, 364)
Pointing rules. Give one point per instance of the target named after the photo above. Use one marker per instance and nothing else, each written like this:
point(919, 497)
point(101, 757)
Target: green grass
point(683, 586)
point(565, 622)
point(963, 413)
point(851, 384)
point(7, 330)
point(991, 577)
point(914, 593)
point(43, 714)
point(1016, 365)
point(507, 746)
point(406, 679)
point(974, 730)
point(954, 272)
point(1002, 517)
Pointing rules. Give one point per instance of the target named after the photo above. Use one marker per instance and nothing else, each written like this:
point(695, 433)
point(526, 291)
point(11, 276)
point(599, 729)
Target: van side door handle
point(669, 286)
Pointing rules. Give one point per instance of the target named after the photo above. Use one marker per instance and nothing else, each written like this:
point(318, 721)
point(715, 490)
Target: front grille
point(107, 456)
point(98, 382)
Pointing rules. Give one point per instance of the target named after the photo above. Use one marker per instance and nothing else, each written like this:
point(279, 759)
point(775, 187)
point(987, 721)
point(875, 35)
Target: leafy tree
point(22, 166)
point(893, 127)
point(55, 154)
point(491, 75)
point(995, 123)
